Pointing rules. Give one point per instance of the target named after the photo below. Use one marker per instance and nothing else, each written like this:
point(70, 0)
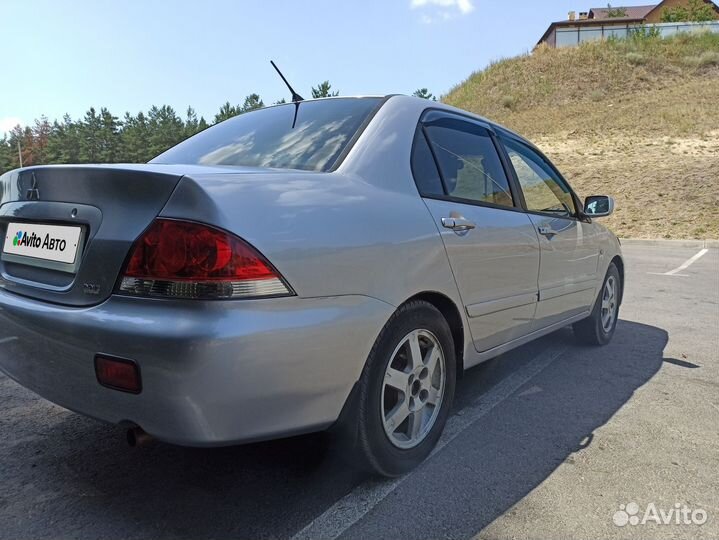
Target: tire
point(596, 329)
point(388, 448)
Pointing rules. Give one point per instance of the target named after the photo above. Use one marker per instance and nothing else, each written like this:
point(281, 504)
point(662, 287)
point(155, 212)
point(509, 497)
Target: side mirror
point(598, 206)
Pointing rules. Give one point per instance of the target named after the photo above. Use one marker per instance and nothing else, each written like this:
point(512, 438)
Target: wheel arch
point(619, 263)
point(452, 315)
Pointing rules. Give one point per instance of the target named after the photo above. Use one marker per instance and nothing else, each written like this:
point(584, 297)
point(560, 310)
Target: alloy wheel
point(609, 303)
point(413, 389)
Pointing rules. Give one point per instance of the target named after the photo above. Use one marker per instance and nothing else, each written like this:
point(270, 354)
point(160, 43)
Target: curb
point(670, 243)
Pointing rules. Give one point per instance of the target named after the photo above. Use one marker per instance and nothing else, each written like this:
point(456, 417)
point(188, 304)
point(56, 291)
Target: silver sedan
point(322, 264)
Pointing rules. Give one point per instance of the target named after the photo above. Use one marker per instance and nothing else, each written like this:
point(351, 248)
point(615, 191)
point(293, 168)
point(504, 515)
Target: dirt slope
point(637, 119)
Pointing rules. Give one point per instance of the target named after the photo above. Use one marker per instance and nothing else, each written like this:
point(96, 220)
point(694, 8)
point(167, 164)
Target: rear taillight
point(180, 259)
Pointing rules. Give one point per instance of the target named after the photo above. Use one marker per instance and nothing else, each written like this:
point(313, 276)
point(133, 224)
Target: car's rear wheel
point(599, 327)
point(406, 390)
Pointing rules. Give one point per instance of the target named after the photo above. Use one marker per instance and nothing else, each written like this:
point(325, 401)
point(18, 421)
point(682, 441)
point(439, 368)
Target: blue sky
point(63, 57)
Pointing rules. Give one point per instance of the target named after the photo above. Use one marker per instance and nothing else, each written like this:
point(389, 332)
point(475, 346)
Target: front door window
point(544, 191)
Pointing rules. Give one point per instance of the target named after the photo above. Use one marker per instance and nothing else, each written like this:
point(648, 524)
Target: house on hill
point(602, 23)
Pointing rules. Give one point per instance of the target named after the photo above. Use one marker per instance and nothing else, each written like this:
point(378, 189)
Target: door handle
point(547, 231)
point(457, 224)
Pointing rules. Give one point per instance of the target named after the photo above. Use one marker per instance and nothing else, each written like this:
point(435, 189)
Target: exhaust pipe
point(136, 436)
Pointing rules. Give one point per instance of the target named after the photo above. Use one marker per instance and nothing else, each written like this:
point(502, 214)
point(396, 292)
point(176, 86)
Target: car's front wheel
point(406, 390)
point(598, 328)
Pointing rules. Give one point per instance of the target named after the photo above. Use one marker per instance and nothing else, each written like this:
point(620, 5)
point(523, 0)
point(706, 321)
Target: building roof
point(633, 12)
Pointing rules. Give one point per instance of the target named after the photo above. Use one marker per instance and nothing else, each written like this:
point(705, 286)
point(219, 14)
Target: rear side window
point(468, 162)
point(424, 168)
point(309, 135)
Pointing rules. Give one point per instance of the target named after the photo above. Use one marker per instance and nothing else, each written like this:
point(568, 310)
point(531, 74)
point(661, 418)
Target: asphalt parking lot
point(551, 440)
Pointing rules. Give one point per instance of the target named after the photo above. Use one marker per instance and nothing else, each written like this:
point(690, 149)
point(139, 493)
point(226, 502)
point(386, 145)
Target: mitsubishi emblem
point(33, 194)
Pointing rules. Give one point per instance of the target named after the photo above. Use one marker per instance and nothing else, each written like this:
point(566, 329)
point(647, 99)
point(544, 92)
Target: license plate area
point(55, 247)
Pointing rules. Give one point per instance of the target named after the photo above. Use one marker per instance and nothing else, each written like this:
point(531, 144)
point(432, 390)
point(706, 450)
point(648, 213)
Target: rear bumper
point(212, 373)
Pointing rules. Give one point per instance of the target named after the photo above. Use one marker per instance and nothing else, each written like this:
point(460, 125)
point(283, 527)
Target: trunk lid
point(111, 204)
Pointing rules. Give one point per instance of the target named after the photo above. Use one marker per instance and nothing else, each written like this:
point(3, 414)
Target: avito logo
point(35, 241)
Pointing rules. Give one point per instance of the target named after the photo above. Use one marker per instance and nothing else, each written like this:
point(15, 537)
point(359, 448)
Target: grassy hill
point(637, 119)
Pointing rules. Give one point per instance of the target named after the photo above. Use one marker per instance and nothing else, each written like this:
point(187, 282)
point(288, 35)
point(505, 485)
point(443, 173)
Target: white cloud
point(463, 6)
point(6, 124)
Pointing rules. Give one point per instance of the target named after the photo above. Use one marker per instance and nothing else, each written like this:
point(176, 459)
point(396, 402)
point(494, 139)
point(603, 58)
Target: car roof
point(438, 105)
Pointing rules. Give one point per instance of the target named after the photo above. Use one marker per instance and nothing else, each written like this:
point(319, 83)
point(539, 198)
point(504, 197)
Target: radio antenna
point(296, 98)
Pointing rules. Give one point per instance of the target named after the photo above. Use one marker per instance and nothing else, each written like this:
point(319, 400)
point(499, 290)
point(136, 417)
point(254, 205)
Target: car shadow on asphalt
point(506, 454)
point(86, 482)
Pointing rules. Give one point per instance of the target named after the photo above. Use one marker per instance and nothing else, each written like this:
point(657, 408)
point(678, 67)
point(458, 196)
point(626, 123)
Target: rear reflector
point(181, 259)
point(118, 374)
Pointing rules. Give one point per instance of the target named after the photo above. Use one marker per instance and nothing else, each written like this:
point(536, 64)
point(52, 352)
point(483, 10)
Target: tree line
point(101, 137)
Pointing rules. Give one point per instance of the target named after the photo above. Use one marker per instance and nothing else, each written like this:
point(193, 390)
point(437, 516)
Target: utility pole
point(19, 153)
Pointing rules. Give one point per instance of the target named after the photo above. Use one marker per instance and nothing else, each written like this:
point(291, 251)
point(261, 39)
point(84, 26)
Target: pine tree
point(424, 94)
point(135, 139)
point(109, 137)
point(41, 137)
point(90, 137)
point(166, 129)
point(252, 103)
point(64, 143)
point(21, 141)
point(323, 90)
point(54, 143)
point(191, 123)
point(227, 111)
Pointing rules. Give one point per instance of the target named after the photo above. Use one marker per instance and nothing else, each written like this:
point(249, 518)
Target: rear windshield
point(273, 137)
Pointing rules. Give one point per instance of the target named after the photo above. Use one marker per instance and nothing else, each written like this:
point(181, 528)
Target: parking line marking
point(347, 511)
point(687, 263)
point(7, 339)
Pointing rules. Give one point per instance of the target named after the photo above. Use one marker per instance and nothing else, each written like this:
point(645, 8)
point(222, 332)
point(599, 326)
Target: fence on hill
point(571, 37)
